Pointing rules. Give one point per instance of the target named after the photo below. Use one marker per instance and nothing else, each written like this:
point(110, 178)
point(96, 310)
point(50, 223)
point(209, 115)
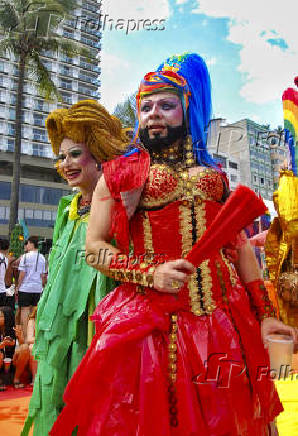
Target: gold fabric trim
point(186, 239)
point(204, 305)
point(172, 367)
point(200, 214)
point(148, 241)
point(208, 302)
point(233, 276)
point(185, 228)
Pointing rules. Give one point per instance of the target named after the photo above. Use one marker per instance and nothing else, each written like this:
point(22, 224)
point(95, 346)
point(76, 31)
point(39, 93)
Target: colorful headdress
point(187, 75)
point(163, 81)
point(290, 107)
point(90, 123)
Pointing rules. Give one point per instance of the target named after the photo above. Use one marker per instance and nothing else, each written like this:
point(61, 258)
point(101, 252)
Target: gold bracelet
point(138, 276)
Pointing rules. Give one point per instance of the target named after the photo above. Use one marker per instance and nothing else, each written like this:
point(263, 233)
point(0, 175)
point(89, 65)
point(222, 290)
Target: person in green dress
point(82, 136)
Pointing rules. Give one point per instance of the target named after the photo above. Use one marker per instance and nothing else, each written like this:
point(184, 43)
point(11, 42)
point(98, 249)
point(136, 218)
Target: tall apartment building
point(77, 79)
point(229, 163)
point(259, 151)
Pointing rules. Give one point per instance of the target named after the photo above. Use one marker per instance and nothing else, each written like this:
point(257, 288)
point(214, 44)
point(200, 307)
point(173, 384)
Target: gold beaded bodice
point(175, 209)
point(166, 184)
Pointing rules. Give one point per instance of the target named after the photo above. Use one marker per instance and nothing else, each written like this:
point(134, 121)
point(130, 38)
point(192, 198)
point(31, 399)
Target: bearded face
point(161, 121)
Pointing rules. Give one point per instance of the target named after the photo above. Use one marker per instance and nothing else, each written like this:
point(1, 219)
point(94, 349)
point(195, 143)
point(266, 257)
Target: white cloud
point(116, 71)
point(211, 61)
point(136, 9)
point(255, 118)
point(119, 77)
point(269, 68)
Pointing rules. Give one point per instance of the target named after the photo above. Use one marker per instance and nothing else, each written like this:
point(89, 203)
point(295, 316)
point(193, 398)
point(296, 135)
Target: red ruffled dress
point(205, 340)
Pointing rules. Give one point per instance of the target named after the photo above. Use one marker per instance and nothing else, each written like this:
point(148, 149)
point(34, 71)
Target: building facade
point(259, 152)
point(229, 163)
point(77, 79)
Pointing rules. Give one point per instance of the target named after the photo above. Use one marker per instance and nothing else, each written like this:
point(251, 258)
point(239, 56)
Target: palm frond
point(7, 45)
point(65, 6)
point(41, 77)
point(65, 46)
point(9, 18)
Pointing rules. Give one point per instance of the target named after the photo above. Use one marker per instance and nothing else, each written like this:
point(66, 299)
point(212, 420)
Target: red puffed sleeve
point(125, 177)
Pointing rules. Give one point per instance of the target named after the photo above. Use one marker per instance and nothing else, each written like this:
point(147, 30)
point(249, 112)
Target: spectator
point(8, 273)
point(23, 361)
point(7, 336)
point(32, 278)
point(3, 268)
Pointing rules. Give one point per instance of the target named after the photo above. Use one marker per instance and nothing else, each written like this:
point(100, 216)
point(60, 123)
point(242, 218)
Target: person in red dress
point(178, 350)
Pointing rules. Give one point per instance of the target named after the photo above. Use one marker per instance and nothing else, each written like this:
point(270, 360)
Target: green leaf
point(41, 77)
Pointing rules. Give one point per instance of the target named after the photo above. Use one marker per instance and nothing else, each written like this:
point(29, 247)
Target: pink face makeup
point(77, 165)
point(157, 111)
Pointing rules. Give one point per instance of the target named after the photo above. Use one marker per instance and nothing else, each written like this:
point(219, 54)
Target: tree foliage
point(29, 30)
point(126, 111)
point(16, 244)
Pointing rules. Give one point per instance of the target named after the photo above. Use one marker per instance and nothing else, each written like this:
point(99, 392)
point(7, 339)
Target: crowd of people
point(21, 285)
point(164, 325)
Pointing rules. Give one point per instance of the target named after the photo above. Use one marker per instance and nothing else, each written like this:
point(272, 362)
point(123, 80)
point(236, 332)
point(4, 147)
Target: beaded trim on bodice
point(174, 211)
point(165, 185)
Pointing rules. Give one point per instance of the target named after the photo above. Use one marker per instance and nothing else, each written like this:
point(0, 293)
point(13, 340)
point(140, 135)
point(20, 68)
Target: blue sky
point(250, 47)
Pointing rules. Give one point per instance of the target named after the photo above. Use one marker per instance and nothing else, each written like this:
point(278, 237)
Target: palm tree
point(29, 29)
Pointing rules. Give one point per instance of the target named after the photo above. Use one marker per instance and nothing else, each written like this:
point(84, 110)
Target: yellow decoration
point(283, 233)
point(73, 208)
point(90, 123)
point(287, 421)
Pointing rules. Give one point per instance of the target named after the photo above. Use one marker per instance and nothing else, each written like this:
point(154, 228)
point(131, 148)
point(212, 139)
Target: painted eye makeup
point(75, 153)
point(146, 108)
point(169, 106)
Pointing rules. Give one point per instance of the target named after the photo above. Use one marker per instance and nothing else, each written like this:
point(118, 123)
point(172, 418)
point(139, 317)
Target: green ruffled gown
point(63, 329)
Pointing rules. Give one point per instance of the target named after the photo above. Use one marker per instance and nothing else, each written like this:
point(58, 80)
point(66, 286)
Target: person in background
point(10, 264)
point(23, 360)
point(7, 339)
point(3, 269)
point(31, 280)
point(82, 137)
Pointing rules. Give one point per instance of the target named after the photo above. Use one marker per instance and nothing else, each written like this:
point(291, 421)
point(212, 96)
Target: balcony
point(89, 7)
point(67, 59)
point(65, 85)
point(96, 69)
point(39, 121)
point(68, 34)
point(65, 71)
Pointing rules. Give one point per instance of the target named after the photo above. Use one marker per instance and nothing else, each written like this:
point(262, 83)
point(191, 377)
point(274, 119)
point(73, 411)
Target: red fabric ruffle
point(121, 386)
point(123, 174)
